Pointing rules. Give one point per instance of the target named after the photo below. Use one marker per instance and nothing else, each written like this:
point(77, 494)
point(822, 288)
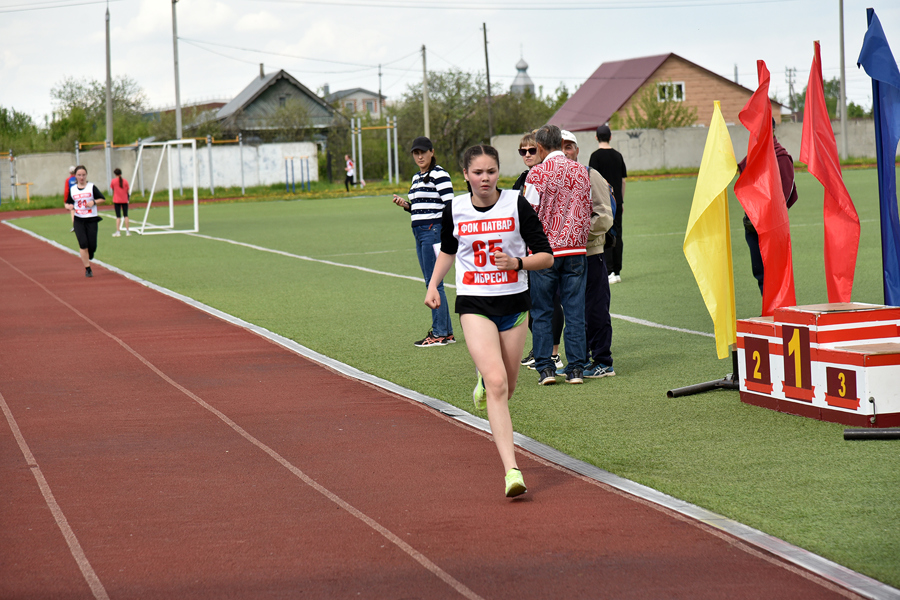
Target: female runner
point(487, 232)
point(84, 197)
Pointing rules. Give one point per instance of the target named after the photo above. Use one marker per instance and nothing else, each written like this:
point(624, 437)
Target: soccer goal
point(171, 152)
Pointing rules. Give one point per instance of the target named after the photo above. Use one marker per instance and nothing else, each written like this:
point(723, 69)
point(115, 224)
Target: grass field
point(792, 477)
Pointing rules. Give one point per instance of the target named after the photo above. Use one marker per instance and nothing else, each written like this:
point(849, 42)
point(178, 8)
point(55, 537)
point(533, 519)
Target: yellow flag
point(707, 242)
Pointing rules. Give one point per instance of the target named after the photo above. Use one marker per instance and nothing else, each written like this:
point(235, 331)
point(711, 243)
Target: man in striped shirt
point(560, 191)
point(429, 192)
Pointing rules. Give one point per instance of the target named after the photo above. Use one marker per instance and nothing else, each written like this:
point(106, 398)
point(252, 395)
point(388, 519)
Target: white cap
point(72, 169)
point(568, 136)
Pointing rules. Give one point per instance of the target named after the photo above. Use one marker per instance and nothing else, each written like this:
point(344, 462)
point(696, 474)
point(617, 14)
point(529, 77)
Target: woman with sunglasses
point(528, 152)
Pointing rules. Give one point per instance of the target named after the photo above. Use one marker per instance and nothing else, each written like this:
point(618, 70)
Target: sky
point(342, 42)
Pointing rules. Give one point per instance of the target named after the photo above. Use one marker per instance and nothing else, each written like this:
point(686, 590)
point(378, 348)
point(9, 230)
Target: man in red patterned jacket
point(560, 191)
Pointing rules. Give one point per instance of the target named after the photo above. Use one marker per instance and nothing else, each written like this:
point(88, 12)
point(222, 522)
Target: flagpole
point(844, 151)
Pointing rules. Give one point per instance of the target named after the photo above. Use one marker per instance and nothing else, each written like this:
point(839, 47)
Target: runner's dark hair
point(118, 172)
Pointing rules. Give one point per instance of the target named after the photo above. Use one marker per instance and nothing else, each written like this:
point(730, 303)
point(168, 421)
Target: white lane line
point(309, 258)
point(420, 558)
point(419, 280)
point(75, 548)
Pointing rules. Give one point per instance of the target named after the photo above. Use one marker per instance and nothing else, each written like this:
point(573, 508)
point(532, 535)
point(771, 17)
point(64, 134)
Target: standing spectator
point(609, 163)
point(561, 189)
point(598, 325)
point(70, 181)
point(786, 170)
point(430, 191)
point(487, 232)
point(528, 152)
point(121, 196)
point(84, 197)
point(350, 170)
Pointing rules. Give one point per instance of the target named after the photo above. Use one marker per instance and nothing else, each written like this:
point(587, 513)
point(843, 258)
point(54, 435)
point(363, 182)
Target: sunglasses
point(524, 151)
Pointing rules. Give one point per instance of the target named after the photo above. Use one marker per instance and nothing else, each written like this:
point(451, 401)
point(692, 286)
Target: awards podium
point(833, 362)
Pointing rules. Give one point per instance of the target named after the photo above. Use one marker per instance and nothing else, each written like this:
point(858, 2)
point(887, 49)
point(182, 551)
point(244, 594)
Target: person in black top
point(609, 163)
point(485, 232)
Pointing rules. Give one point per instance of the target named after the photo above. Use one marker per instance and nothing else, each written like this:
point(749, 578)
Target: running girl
point(487, 232)
point(121, 196)
point(84, 197)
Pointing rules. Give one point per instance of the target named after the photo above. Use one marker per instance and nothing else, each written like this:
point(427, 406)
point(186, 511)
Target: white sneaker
point(618, 279)
point(116, 234)
point(127, 233)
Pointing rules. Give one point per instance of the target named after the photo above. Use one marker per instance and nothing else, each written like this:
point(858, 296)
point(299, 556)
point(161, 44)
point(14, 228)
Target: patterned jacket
point(560, 191)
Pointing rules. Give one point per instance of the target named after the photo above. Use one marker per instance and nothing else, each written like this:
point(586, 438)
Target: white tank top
point(81, 199)
point(480, 234)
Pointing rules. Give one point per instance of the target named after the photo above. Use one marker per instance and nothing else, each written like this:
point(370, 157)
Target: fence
point(652, 149)
point(232, 166)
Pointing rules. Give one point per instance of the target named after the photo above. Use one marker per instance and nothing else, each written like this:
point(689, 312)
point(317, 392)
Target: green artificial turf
point(792, 477)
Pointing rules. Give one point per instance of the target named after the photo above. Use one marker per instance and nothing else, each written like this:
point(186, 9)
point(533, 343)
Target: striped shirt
point(428, 198)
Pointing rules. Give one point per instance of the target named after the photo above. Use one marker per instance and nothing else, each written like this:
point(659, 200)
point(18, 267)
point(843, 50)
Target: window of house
point(370, 106)
point(348, 105)
point(282, 100)
point(670, 90)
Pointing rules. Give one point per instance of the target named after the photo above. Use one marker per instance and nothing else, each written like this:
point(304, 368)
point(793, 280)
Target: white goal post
point(166, 153)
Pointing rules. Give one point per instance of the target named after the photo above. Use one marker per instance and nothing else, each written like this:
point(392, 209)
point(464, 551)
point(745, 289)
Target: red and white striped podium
point(833, 362)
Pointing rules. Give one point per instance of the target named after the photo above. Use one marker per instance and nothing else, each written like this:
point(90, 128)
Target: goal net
point(178, 154)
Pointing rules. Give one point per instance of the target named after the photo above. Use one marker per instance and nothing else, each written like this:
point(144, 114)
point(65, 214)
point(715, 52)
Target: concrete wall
point(262, 165)
point(651, 149)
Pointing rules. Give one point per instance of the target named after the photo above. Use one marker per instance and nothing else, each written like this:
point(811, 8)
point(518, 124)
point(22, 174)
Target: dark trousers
point(596, 311)
point(348, 181)
point(756, 261)
point(86, 234)
point(613, 255)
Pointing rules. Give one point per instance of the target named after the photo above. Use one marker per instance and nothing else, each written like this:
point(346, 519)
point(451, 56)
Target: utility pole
point(178, 130)
point(789, 75)
point(425, 94)
point(735, 73)
point(380, 102)
point(109, 104)
point(844, 151)
point(487, 67)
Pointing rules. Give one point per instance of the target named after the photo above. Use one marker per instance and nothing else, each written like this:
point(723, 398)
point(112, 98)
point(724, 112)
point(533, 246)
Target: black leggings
point(86, 233)
point(121, 209)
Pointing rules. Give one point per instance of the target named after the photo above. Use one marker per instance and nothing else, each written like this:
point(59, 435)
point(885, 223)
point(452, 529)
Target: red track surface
point(193, 459)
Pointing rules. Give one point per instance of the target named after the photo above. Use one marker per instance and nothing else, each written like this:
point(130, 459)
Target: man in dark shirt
point(786, 169)
point(610, 164)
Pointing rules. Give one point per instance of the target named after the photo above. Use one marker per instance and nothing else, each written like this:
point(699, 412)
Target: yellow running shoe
point(515, 485)
point(479, 394)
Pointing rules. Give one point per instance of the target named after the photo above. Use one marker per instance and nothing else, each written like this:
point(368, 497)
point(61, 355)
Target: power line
point(519, 6)
point(13, 8)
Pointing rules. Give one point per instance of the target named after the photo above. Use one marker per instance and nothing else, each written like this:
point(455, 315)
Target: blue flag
point(878, 61)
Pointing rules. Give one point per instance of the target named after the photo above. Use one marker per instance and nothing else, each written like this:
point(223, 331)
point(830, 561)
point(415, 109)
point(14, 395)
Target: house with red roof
point(615, 86)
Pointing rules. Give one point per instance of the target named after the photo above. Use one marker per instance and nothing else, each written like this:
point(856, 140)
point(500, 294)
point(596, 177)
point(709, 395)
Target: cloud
point(260, 22)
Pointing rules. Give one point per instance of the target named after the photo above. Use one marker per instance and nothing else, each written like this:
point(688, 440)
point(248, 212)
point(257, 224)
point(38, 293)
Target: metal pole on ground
point(141, 162)
point(12, 177)
point(353, 147)
point(362, 177)
point(241, 146)
point(77, 154)
point(293, 182)
point(212, 188)
point(108, 151)
point(396, 154)
point(390, 171)
point(286, 187)
point(308, 177)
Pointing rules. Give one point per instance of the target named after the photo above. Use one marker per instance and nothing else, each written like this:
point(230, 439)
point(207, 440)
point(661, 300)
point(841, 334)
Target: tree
point(832, 89)
point(659, 107)
point(81, 111)
point(17, 130)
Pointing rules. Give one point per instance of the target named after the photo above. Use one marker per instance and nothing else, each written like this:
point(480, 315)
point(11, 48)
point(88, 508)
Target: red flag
point(759, 191)
point(818, 150)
